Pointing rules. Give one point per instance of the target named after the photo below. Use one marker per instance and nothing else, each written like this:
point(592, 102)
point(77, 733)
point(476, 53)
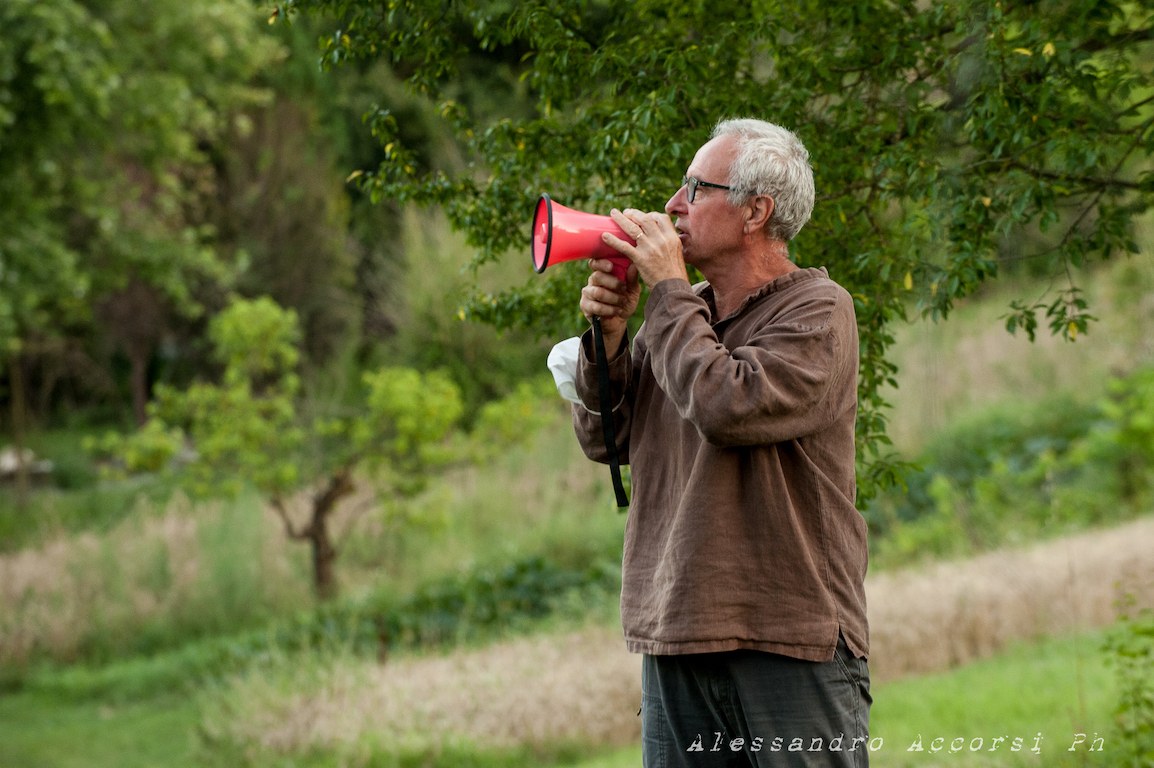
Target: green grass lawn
point(1043, 695)
point(1055, 690)
point(41, 729)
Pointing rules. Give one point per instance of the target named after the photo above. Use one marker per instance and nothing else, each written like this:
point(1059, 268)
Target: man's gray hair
point(771, 160)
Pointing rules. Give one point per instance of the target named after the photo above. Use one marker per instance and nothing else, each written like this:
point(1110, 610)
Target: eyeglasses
point(692, 184)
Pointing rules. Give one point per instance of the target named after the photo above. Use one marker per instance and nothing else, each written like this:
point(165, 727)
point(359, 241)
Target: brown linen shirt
point(742, 528)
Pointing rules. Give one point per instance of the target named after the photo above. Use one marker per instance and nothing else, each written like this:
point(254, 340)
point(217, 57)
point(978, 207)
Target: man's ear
point(760, 209)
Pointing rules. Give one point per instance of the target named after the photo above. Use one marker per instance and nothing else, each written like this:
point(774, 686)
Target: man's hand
point(658, 254)
point(614, 301)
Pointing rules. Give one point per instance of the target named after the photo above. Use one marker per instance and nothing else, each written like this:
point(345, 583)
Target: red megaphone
point(562, 234)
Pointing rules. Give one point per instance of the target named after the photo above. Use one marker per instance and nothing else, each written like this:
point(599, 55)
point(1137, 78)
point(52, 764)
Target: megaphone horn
point(562, 234)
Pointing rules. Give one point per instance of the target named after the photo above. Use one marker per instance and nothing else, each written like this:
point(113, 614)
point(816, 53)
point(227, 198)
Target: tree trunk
point(324, 551)
point(136, 317)
point(324, 560)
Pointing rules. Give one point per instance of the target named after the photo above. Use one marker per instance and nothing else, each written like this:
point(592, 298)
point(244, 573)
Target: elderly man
point(744, 556)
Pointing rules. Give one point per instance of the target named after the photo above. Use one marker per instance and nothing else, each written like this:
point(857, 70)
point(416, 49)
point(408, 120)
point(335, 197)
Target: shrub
point(984, 481)
point(1130, 648)
point(1120, 447)
point(1017, 472)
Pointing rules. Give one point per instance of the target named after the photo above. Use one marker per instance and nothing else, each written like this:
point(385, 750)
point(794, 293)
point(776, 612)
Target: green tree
point(948, 140)
point(106, 109)
point(253, 428)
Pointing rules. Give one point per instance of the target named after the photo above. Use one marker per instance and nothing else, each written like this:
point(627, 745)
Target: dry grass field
point(951, 613)
point(582, 686)
point(149, 569)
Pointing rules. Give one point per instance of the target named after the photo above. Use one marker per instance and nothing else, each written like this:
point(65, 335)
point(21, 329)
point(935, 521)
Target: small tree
point(250, 430)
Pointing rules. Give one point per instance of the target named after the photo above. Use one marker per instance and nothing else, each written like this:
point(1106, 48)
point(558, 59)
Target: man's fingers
point(601, 266)
point(603, 301)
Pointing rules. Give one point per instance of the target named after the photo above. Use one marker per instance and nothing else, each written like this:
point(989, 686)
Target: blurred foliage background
point(272, 391)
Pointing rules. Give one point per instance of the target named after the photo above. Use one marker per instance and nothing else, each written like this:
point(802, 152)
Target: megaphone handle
point(608, 428)
point(620, 267)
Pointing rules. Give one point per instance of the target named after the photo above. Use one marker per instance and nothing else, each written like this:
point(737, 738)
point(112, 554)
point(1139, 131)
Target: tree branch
point(279, 505)
point(340, 485)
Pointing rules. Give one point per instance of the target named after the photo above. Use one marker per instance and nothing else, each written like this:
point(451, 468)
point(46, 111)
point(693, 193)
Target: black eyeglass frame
point(691, 184)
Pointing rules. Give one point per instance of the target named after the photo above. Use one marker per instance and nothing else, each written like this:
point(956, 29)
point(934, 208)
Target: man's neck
point(733, 286)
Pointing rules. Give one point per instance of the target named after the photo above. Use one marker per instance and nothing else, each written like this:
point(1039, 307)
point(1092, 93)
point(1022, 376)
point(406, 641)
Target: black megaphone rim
point(548, 201)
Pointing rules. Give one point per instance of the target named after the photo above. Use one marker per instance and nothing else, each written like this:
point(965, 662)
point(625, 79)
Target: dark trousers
point(753, 709)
